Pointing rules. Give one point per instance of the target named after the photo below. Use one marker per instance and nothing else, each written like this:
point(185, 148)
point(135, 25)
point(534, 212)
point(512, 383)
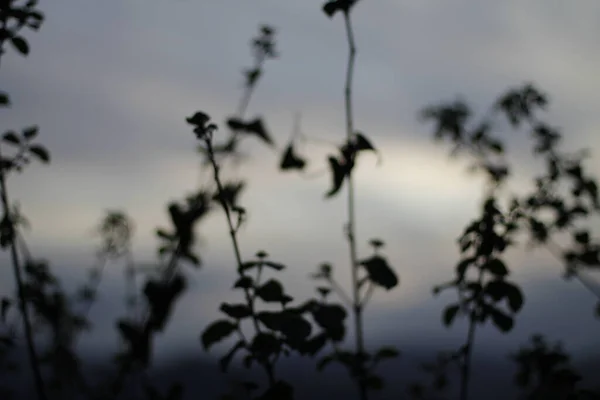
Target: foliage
point(269, 323)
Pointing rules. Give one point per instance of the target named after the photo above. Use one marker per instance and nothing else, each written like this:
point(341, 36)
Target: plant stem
point(468, 352)
point(35, 367)
point(357, 307)
point(236, 248)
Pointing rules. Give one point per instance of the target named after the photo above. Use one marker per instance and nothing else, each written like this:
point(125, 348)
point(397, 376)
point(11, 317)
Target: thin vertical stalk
point(236, 247)
point(35, 367)
point(357, 306)
point(468, 350)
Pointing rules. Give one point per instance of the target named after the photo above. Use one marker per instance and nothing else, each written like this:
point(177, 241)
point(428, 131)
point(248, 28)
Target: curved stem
point(35, 367)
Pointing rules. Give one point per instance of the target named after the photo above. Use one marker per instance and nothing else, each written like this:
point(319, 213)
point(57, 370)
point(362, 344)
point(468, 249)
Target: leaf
point(291, 160)
point(20, 44)
point(249, 265)
point(245, 282)
point(362, 143)
point(30, 132)
point(450, 313)
point(500, 289)
point(380, 272)
point(199, 119)
point(274, 265)
point(462, 266)
point(226, 359)
point(40, 152)
point(236, 311)
point(264, 345)
point(292, 325)
point(331, 318)
point(257, 127)
point(338, 174)
point(11, 137)
point(271, 291)
point(502, 321)
point(496, 267)
point(216, 332)
point(4, 99)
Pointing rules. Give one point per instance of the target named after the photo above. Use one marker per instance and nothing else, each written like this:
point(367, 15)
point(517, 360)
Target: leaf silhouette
point(338, 174)
point(291, 160)
point(255, 127)
point(331, 7)
point(362, 143)
point(20, 44)
point(502, 321)
point(4, 99)
point(236, 311)
point(450, 313)
point(380, 272)
point(40, 152)
point(216, 332)
point(271, 291)
point(245, 282)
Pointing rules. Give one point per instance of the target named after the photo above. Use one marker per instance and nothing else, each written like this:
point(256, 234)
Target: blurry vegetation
point(268, 323)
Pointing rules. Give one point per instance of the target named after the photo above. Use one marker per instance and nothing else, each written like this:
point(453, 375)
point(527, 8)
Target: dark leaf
point(40, 152)
point(11, 137)
point(20, 44)
point(271, 291)
point(450, 313)
point(264, 345)
point(257, 127)
point(199, 119)
point(292, 325)
point(30, 133)
point(338, 173)
point(380, 272)
point(273, 265)
point(502, 321)
point(291, 160)
point(496, 267)
point(216, 332)
point(236, 311)
point(462, 266)
point(315, 344)
point(245, 282)
point(362, 143)
point(249, 265)
point(4, 99)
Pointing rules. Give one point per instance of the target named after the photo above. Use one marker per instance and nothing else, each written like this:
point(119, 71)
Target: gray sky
point(110, 83)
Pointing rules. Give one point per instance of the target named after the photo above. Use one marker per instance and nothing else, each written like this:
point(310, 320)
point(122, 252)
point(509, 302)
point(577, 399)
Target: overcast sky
point(110, 84)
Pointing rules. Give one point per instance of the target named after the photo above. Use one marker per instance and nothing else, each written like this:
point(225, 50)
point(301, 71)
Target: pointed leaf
point(450, 313)
point(502, 321)
point(216, 332)
point(40, 152)
point(245, 282)
point(11, 137)
point(20, 44)
point(271, 291)
point(236, 311)
point(290, 160)
point(380, 272)
point(338, 173)
point(362, 143)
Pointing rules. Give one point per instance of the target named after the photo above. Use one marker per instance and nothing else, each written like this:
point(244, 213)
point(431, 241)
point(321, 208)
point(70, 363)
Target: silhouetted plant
point(486, 239)
point(545, 372)
point(14, 17)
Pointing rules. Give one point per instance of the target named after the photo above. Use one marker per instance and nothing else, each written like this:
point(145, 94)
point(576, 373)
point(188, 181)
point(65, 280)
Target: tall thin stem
point(236, 247)
point(357, 307)
point(33, 359)
point(468, 350)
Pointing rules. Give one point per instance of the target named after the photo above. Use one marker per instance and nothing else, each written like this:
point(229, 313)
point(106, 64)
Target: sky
point(110, 84)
